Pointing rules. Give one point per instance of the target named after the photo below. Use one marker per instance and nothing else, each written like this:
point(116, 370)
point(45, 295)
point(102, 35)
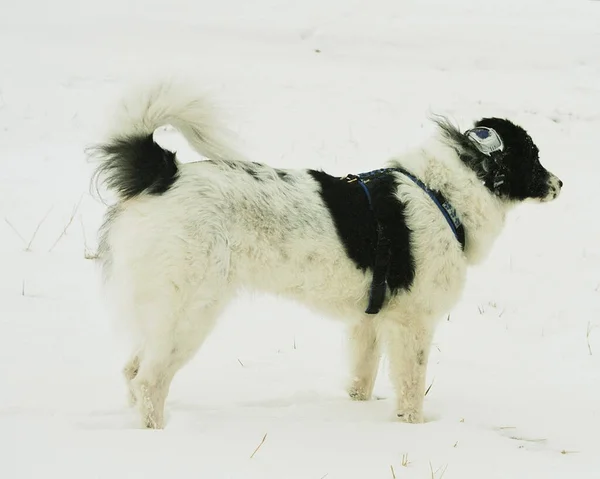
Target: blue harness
point(378, 284)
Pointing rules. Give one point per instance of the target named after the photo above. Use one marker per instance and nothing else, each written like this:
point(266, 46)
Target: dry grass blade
point(526, 439)
point(587, 337)
point(64, 231)
point(434, 475)
point(87, 254)
point(443, 471)
point(259, 446)
point(28, 248)
point(429, 388)
point(15, 230)
point(393, 472)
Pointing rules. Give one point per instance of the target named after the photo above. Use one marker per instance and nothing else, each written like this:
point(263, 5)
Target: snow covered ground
point(339, 85)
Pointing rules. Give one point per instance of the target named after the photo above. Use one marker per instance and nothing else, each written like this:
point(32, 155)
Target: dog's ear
point(487, 140)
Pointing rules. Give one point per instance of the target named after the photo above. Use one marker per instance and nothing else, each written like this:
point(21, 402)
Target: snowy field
point(339, 85)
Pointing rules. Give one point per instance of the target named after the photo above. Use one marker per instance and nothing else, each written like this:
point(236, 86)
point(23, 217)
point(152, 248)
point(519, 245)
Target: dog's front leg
point(364, 357)
point(408, 350)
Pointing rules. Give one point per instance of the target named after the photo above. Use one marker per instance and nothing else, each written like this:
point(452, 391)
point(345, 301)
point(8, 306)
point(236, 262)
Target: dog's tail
point(132, 163)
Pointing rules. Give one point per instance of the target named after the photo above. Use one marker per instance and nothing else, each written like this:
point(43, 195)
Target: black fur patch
point(283, 175)
point(251, 169)
point(136, 164)
point(523, 175)
point(421, 357)
point(356, 224)
point(514, 173)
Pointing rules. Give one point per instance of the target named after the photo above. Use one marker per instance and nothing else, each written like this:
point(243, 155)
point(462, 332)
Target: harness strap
point(382, 254)
point(382, 249)
point(380, 270)
point(443, 205)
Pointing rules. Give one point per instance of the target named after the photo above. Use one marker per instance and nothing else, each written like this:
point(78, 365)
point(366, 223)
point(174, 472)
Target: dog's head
point(506, 159)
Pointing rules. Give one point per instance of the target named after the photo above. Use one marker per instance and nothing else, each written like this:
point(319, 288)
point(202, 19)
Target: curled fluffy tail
point(132, 163)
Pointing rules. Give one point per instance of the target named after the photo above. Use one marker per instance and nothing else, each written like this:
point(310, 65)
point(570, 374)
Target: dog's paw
point(360, 389)
point(357, 394)
point(410, 416)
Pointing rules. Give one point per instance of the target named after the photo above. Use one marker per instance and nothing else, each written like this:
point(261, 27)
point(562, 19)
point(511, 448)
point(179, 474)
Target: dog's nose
point(560, 183)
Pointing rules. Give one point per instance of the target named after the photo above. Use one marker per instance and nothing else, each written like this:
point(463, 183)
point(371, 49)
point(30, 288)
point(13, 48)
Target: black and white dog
point(386, 251)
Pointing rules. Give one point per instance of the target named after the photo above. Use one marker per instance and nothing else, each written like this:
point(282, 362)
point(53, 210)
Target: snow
point(339, 85)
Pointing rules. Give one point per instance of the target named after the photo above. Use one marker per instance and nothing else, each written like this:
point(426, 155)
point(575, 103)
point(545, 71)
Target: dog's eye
point(487, 140)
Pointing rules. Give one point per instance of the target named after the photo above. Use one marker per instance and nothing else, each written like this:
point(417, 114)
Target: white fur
point(175, 260)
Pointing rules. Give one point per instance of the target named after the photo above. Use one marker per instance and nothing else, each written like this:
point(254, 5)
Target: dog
point(386, 251)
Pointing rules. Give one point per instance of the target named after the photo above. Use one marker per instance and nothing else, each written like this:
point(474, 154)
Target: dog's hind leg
point(408, 350)
point(365, 356)
point(165, 354)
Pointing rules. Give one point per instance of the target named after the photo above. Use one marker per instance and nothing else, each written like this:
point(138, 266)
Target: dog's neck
point(438, 165)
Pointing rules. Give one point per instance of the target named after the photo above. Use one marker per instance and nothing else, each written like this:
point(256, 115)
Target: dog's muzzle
point(554, 188)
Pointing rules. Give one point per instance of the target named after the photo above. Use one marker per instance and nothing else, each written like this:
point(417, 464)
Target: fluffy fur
point(182, 239)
